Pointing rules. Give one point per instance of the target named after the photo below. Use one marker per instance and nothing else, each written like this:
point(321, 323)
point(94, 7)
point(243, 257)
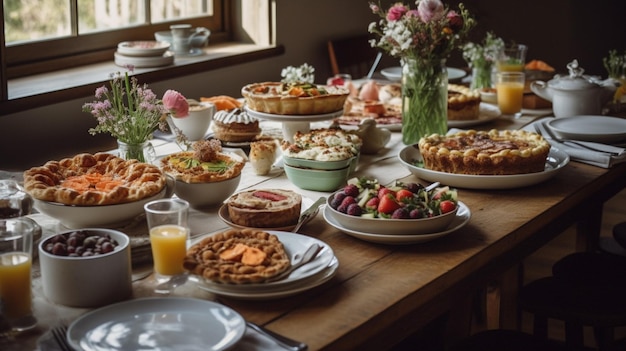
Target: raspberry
point(351, 190)
point(416, 214)
point(354, 210)
point(347, 201)
point(400, 213)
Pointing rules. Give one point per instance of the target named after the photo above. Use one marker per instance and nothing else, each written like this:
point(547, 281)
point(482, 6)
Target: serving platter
point(169, 323)
point(395, 73)
point(293, 118)
point(306, 203)
point(557, 159)
point(463, 216)
point(602, 129)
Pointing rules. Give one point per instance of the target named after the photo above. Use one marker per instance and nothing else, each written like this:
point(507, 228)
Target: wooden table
point(383, 293)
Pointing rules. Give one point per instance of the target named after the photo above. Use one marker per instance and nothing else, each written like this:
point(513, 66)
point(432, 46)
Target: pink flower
point(396, 12)
point(430, 10)
point(176, 103)
point(455, 20)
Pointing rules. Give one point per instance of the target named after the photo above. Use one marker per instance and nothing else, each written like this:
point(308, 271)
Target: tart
point(93, 179)
point(494, 152)
point(235, 125)
point(267, 208)
point(463, 103)
point(207, 163)
point(238, 256)
point(329, 144)
point(294, 98)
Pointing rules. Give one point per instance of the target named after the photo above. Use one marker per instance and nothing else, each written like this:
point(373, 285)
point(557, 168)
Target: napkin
point(607, 158)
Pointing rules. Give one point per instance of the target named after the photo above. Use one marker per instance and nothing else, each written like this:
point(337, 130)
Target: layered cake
point(235, 125)
point(267, 208)
point(463, 103)
point(490, 153)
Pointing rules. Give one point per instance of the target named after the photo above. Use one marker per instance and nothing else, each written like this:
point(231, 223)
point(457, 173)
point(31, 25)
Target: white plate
point(463, 216)
point(293, 118)
point(293, 243)
point(395, 73)
point(487, 113)
point(169, 323)
point(224, 216)
point(556, 161)
point(601, 129)
point(327, 274)
point(143, 48)
point(144, 62)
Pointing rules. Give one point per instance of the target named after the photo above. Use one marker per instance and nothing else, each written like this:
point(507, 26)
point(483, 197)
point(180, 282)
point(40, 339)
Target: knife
point(308, 213)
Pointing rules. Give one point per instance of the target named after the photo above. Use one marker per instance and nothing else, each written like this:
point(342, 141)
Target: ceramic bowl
point(206, 194)
point(91, 281)
point(143, 48)
point(98, 216)
point(317, 179)
point(391, 226)
point(322, 165)
point(195, 126)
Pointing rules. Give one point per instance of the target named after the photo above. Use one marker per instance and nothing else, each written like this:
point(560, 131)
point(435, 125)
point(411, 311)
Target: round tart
point(463, 103)
point(491, 153)
point(294, 98)
point(329, 144)
point(268, 208)
point(235, 126)
point(207, 163)
point(238, 256)
point(98, 179)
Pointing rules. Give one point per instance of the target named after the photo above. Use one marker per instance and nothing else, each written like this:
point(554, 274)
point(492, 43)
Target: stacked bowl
point(144, 53)
point(318, 175)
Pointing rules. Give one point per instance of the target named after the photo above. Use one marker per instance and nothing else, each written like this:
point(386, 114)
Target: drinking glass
point(510, 92)
point(16, 251)
point(511, 58)
point(169, 234)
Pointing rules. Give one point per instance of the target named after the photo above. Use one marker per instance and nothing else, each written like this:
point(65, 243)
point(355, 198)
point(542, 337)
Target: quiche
point(294, 98)
point(265, 208)
point(325, 144)
point(238, 256)
point(93, 179)
point(206, 163)
point(494, 152)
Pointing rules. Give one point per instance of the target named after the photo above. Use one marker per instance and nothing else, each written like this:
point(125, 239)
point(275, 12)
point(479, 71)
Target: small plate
point(306, 203)
point(395, 73)
point(293, 118)
point(602, 129)
point(556, 161)
point(463, 216)
point(169, 323)
point(144, 62)
point(487, 113)
point(145, 48)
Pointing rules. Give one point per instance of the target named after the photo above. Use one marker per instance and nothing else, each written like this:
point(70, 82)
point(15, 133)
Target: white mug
point(196, 124)
point(183, 36)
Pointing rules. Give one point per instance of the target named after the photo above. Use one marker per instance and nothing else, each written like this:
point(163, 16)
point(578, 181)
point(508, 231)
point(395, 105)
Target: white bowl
point(196, 125)
point(91, 281)
point(98, 216)
point(206, 194)
point(391, 226)
point(143, 48)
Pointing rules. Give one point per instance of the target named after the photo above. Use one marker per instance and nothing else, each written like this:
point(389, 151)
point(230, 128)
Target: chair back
point(352, 55)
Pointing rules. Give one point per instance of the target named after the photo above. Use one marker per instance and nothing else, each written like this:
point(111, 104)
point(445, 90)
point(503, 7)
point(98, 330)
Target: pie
point(207, 163)
point(491, 153)
point(384, 113)
point(238, 256)
point(294, 98)
point(463, 103)
point(265, 208)
point(93, 179)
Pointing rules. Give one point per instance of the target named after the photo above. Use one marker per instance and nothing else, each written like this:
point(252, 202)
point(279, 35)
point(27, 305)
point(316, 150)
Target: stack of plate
point(147, 53)
point(321, 269)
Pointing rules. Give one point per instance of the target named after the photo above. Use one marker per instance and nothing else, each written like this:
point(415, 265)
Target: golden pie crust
point(494, 152)
point(93, 179)
point(463, 103)
point(265, 208)
point(294, 99)
point(206, 257)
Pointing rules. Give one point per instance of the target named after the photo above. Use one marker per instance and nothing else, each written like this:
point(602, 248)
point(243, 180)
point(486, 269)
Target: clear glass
point(14, 202)
point(481, 75)
point(16, 256)
point(510, 93)
point(512, 58)
point(143, 152)
point(424, 99)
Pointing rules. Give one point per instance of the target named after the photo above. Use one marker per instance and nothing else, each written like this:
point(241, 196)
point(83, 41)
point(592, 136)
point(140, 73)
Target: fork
point(59, 332)
point(549, 135)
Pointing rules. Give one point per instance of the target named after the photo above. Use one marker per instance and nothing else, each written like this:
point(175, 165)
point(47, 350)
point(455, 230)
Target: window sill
point(43, 89)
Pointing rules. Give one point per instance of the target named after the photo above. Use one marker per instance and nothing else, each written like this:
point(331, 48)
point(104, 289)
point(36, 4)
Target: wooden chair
point(353, 55)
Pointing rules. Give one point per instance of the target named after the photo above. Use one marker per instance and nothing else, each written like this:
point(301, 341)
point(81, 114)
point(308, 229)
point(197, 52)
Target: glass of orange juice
point(169, 234)
point(511, 58)
point(510, 92)
point(16, 249)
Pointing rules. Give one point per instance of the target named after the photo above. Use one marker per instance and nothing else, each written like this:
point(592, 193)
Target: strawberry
point(403, 194)
point(388, 204)
point(447, 206)
point(382, 191)
point(372, 204)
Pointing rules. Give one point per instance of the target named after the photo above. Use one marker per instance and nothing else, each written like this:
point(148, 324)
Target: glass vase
point(143, 152)
point(424, 99)
point(481, 75)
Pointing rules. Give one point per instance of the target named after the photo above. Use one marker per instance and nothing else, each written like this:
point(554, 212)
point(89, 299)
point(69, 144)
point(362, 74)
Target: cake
point(235, 125)
point(463, 103)
point(294, 98)
point(267, 208)
point(494, 152)
point(238, 256)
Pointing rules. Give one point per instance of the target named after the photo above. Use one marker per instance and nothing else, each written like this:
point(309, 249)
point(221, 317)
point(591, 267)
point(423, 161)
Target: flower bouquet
point(422, 38)
point(481, 58)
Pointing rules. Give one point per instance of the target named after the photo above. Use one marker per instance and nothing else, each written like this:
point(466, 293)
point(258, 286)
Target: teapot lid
point(575, 81)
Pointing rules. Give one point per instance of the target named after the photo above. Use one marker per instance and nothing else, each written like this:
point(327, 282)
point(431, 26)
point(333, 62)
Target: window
point(46, 35)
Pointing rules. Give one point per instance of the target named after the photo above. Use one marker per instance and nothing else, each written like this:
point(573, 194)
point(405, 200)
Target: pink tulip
point(176, 103)
point(396, 12)
point(430, 10)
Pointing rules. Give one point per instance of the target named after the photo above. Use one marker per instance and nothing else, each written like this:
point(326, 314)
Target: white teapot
point(575, 94)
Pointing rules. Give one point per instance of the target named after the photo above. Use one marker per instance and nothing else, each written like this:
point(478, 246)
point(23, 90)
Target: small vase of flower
point(481, 58)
